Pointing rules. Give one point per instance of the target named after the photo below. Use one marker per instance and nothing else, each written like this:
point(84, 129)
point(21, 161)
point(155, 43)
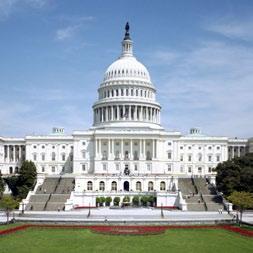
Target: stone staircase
point(199, 195)
point(52, 194)
point(186, 186)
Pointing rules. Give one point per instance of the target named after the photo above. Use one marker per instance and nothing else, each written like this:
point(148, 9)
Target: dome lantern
point(127, 43)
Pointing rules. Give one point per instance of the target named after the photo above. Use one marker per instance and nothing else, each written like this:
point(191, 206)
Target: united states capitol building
point(126, 152)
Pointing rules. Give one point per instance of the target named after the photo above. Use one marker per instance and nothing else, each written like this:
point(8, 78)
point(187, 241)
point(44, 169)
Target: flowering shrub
point(129, 230)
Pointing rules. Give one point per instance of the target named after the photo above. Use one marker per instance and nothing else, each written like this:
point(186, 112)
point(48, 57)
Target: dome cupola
point(126, 94)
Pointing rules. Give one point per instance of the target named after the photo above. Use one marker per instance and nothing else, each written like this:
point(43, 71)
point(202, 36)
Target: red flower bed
point(129, 230)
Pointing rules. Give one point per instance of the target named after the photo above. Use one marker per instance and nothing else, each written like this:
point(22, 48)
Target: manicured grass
point(56, 240)
point(3, 227)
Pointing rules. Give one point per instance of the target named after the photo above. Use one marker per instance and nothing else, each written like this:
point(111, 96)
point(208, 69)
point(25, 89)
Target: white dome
point(125, 67)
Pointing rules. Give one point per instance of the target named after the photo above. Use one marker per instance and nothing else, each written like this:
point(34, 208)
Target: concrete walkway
point(128, 215)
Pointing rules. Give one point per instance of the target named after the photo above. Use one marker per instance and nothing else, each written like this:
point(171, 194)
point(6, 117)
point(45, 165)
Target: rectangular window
point(34, 157)
point(136, 167)
point(189, 158)
point(43, 169)
point(149, 167)
point(63, 157)
point(189, 169)
point(83, 167)
point(209, 169)
point(199, 169)
point(104, 166)
point(218, 158)
point(181, 158)
point(182, 169)
point(53, 169)
point(43, 157)
point(209, 158)
point(169, 167)
point(169, 155)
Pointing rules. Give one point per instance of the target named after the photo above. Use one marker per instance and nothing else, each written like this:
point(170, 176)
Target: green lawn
point(81, 240)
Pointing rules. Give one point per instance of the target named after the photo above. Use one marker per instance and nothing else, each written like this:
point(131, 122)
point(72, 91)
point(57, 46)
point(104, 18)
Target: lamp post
point(162, 215)
point(88, 215)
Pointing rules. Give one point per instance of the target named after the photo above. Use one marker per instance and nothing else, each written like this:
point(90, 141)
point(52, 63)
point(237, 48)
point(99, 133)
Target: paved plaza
point(129, 215)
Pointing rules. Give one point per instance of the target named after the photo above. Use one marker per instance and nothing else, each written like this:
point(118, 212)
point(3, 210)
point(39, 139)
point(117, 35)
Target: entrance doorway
point(126, 186)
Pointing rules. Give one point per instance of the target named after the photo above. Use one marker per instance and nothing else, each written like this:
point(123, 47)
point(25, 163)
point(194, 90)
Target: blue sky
point(54, 54)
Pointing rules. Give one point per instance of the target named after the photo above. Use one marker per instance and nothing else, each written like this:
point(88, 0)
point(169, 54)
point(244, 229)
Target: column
point(121, 149)
point(117, 112)
point(141, 113)
point(124, 112)
point(239, 153)
point(112, 116)
point(19, 153)
point(14, 153)
point(130, 112)
point(144, 149)
point(131, 149)
point(135, 112)
point(113, 155)
point(233, 152)
point(153, 149)
point(8, 153)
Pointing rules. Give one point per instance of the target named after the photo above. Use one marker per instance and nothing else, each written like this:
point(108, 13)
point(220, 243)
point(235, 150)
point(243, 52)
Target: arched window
point(150, 186)
point(162, 186)
point(114, 186)
point(101, 185)
point(11, 170)
point(16, 169)
point(53, 156)
point(63, 156)
point(138, 186)
point(89, 186)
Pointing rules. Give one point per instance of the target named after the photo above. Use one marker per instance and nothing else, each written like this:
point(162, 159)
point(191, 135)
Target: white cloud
point(7, 7)
point(74, 24)
point(210, 86)
point(233, 28)
point(66, 32)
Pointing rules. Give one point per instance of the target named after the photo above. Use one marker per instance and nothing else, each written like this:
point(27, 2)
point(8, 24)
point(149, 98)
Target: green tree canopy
point(242, 201)
point(235, 175)
point(1, 185)
point(7, 203)
point(20, 185)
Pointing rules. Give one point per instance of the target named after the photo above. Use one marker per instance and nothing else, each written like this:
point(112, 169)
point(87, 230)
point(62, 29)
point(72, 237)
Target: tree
point(8, 203)
point(1, 185)
point(144, 200)
point(242, 201)
point(126, 199)
point(20, 185)
point(116, 201)
point(98, 201)
point(136, 200)
point(26, 179)
point(151, 199)
point(235, 175)
point(102, 201)
point(108, 201)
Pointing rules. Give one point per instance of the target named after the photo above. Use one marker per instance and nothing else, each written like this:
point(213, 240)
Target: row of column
point(125, 92)
point(13, 153)
point(126, 112)
point(111, 143)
